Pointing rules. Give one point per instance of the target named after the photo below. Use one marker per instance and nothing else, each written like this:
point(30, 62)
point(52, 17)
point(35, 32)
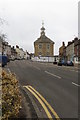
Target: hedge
point(11, 97)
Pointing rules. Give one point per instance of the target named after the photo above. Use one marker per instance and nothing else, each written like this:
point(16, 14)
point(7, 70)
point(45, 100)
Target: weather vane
point(42, 23)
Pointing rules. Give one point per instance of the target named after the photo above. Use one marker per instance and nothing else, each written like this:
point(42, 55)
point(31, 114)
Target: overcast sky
point(24, 20)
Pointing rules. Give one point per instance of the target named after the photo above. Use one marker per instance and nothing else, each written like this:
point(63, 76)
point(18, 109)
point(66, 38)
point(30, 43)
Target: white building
point(26, 55)
point(20, 53)
point(6, 49)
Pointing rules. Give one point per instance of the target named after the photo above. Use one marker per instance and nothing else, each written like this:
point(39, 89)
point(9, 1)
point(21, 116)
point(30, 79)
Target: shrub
point(11, 98)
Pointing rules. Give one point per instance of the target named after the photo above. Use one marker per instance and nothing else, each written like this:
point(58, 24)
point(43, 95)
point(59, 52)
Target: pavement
point(27, 110)
point(57, 85)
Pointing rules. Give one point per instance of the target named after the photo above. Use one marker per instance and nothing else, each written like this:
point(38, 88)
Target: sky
point(23, 21)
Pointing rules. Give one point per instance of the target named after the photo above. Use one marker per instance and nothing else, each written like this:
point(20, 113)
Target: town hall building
point(43, 46)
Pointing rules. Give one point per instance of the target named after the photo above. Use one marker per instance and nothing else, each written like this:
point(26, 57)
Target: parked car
point(8, 59)
point(70, 63)
point(54, 62)
point(59, 63)
point(3, 60)
point(0, 60)
point(12, 58)
point(64, 62)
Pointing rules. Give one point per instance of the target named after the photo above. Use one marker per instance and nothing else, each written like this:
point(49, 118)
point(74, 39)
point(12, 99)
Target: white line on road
point(37, 68)
point(9, 70)
point(73, 70)
point(75, 84)
point(53, 74)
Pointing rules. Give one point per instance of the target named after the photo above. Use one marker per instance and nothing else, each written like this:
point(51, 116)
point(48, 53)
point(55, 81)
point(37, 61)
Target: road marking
point(75, 84)
point(9, 70)
point(41, 102)
point(49, 106)
point(73, 70)
point(53, 74)
point(37, 67)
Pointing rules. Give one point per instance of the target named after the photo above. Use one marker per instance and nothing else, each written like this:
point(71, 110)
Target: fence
point(45, 59)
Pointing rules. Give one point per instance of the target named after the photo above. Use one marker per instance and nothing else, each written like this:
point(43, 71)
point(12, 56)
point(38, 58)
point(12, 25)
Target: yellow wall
point(44, 50)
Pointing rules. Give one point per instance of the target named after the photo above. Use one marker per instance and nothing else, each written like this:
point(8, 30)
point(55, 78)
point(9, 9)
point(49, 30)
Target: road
point(58, 85)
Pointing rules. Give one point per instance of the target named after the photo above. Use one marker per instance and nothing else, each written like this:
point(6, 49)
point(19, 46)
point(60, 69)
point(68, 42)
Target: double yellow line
point(42, 100)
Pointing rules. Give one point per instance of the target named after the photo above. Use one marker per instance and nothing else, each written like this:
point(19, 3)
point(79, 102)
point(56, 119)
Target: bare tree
point(2, 21)
point(3, 36)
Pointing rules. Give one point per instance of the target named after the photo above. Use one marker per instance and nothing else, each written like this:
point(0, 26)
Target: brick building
point(70, 51)
point(76, 50)
point(61, 51)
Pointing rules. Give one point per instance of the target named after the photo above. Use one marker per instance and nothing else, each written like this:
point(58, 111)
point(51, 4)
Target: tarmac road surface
point(52, 87)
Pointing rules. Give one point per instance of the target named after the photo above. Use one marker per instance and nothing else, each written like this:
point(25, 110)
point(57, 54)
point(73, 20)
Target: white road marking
point(37, 68)
point(53, 74)
point(75, 84)
point(73, 70)
point(9, 70)
point(68, 68)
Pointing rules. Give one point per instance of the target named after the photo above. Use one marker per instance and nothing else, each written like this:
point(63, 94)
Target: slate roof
point(43, 39)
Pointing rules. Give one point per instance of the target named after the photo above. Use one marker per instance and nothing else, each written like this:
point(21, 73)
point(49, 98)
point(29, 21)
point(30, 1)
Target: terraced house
point(77, 50)
point(61, 51)
point(43, 46)
point(70, 52)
